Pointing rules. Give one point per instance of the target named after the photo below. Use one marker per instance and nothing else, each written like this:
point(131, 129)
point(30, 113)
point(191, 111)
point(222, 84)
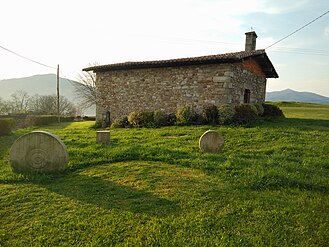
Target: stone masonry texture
point(168, 88)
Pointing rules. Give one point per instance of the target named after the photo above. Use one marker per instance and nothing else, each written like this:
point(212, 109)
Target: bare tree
point(66, 107)
point(34, 104)
point(47, 104)
point(19, 102)
point(86, 89)
point(4, 106)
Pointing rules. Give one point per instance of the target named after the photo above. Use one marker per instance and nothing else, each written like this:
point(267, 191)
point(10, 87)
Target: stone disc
point(211, 142)
point(38, 151)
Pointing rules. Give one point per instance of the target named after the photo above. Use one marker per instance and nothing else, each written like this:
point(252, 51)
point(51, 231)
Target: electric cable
point(307, 24)
point(26, 58)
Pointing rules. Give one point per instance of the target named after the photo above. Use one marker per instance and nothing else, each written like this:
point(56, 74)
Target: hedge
point(6, 126)
point(245, 113)
point(38, 120)
point(184, 115)
point(223, 114)
point(226, 114)
point(271, 111)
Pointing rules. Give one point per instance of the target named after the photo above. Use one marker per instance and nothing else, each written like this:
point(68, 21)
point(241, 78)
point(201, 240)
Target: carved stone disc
point(38, 151)
point(211, 142)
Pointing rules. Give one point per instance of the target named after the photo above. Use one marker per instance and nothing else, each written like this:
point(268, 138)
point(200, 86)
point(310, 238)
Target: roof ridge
point(231, 57)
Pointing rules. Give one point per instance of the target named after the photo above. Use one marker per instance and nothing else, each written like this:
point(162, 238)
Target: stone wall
point(248, 75)
point(149, 89)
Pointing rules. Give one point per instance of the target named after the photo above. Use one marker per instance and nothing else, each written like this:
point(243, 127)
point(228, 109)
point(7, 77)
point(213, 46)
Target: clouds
point(77, 32)
point(281, 6)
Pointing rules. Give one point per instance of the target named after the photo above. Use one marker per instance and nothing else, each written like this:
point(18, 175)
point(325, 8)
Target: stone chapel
point(231, 78)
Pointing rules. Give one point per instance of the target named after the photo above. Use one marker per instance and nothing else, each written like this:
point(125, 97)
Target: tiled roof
point(259, 55)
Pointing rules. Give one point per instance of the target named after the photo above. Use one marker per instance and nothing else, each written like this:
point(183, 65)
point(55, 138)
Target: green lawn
point(152, 187)
point(304, 110)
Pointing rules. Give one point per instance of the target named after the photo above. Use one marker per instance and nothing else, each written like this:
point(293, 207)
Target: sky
point(78, 33)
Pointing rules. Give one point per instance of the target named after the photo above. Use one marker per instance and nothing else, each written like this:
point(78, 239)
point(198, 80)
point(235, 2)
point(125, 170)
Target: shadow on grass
point(277, 182)
point(109, 195)
point(119, 153)
point(6, 142)
point(316, 124)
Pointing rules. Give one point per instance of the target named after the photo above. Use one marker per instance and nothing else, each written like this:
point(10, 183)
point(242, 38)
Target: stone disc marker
point(38, 151)
point(211, 142)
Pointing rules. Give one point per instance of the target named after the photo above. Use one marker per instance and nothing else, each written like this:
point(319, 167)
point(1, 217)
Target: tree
point(19, 102)
point(34, 104)
point(86, 89)
point(4, 106)
point(66, 107)
point(47, 104)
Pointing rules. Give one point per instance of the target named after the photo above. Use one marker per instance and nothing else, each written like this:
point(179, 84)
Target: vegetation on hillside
point(23, 103)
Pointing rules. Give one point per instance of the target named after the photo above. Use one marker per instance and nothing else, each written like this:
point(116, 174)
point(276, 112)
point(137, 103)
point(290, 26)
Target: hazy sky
point(76, 33)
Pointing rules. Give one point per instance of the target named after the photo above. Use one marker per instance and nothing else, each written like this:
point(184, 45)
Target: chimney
point(250, 41)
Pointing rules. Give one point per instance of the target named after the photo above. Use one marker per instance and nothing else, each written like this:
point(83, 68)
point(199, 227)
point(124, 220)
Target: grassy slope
point(268, 187)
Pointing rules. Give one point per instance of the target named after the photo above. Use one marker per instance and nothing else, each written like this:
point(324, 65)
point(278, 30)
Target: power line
point(301, 49)
point(277, 49)
point(301, 53)
point(307, 24)
point(26, 58)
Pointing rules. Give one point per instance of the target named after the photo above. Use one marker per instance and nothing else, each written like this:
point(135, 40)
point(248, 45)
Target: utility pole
point(58, 112)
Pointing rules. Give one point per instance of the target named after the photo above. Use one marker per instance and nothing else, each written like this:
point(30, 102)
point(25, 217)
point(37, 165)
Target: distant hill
point(37, 84)
point(294, 96)
point(40, 84)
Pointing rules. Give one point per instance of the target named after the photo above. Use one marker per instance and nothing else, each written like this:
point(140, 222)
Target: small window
point(246, 97)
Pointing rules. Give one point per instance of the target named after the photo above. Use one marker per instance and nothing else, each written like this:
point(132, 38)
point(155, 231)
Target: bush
point(141, 119)
point(120, 123)
point(184, 115)
point(89, 118)
point(38, 120)
point(98, 124)
point(134, 118)
point(67, 119)
point(6, 126)
point(260, 109)
point(197, 119)
point(147, 119)
point(171, 119)
point(115, 124)
point(210, 114)
point(245, 113)
point(226, 114)
point(272, 111)
point(160, 118)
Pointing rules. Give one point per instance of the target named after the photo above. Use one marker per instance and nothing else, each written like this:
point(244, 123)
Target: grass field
point(304, 110)
point(152, 187)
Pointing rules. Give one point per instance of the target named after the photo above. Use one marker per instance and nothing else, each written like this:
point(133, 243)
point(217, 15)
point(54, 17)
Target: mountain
point(291, 95)
point(43, 85)
point(37, 84)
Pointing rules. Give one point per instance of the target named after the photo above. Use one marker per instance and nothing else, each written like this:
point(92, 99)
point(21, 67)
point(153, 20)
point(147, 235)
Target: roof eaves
point(268, 67)
point(259, 55)
point(159, 64)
